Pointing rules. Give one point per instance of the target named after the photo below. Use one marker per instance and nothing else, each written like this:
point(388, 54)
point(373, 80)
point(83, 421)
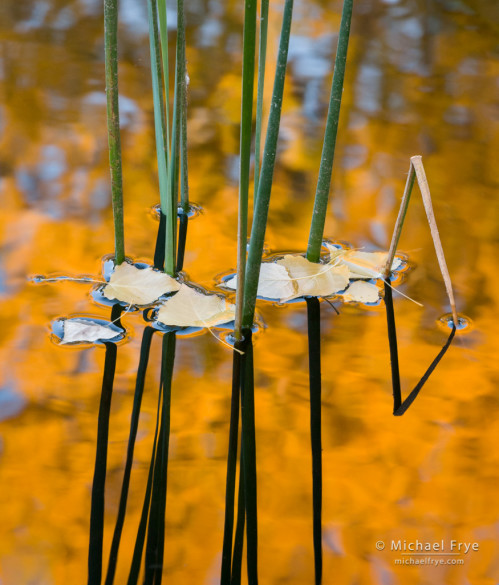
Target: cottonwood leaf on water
point(313, 279)
point(361, 264)
point(361, 291)
point(294, 276)
point(87, 331)
point(191, 308)
point(274, 282)
point(138, 286)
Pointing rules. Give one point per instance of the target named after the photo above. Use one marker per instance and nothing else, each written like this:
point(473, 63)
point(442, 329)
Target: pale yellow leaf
point(313, 279)
point(191, 308)
point(361, 264)
point(361, 291)
point(136, 286)
point(274, 282)
point(86, 331)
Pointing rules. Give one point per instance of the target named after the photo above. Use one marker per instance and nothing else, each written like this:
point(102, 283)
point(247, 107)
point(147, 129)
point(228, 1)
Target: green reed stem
point(182, 79)
point(262, 57)
point(266, 175)
point(172, 213)
point(249, 47)
point(113, 123)
point(329, 144)
point(184, 169)
point(163, 32)
point(159, 110)
point(182, 67)
point(160, 127)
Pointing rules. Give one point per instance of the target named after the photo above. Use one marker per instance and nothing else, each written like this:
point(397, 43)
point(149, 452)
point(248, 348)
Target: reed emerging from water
point(171, 148)
point(113, 123)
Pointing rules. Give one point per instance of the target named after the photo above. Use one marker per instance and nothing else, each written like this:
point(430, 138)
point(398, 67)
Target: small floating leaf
point(361, 291)
point(82, 330)
point(138, 286)
point(361, 264)
point(312, 279)
point(192, 308)
point(274, 283)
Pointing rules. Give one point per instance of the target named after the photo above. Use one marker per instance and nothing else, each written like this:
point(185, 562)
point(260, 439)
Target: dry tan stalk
point(416, 171)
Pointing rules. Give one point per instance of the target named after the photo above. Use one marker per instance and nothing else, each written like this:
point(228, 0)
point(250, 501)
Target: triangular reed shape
point(416, 171)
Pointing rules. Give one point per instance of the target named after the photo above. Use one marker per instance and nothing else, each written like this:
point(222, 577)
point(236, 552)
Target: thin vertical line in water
point(248, 445)
point(156, 534)
point(182, 239)
point(99, 481)
point(230, 484)
point(237, 557)
point(314, 360)
point(134, 423)
point(392, 341)
point(159, 251)
point(133, 576)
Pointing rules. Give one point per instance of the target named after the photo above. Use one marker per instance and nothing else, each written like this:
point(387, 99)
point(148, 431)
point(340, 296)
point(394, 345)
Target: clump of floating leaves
point(347, 275)
point(176, 304)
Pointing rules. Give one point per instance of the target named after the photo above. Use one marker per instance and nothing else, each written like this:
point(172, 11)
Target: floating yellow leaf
point(274, 283)
point(361, 291)
point(361, 264)
point(138, 286)
point(191, 308)
point(87, 331)
point(312, 279)
point(294, 276)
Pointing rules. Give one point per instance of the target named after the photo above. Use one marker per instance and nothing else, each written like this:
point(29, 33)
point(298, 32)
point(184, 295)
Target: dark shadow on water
point(159, 252)
point(243, 395)
point(134, 423)
point(314, 360)
point(99, 480)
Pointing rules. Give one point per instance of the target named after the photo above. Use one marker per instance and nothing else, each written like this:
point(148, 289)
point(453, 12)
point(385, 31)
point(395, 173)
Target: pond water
point(421, 79)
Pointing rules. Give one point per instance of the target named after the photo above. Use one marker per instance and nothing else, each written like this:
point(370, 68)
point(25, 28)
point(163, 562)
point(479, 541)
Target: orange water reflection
point(420, 80)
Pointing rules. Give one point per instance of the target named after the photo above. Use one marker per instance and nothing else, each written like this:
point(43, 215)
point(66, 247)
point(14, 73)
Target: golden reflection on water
point(421, 79)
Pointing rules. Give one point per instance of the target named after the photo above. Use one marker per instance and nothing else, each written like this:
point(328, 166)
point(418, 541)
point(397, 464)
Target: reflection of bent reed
point(399, 407)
